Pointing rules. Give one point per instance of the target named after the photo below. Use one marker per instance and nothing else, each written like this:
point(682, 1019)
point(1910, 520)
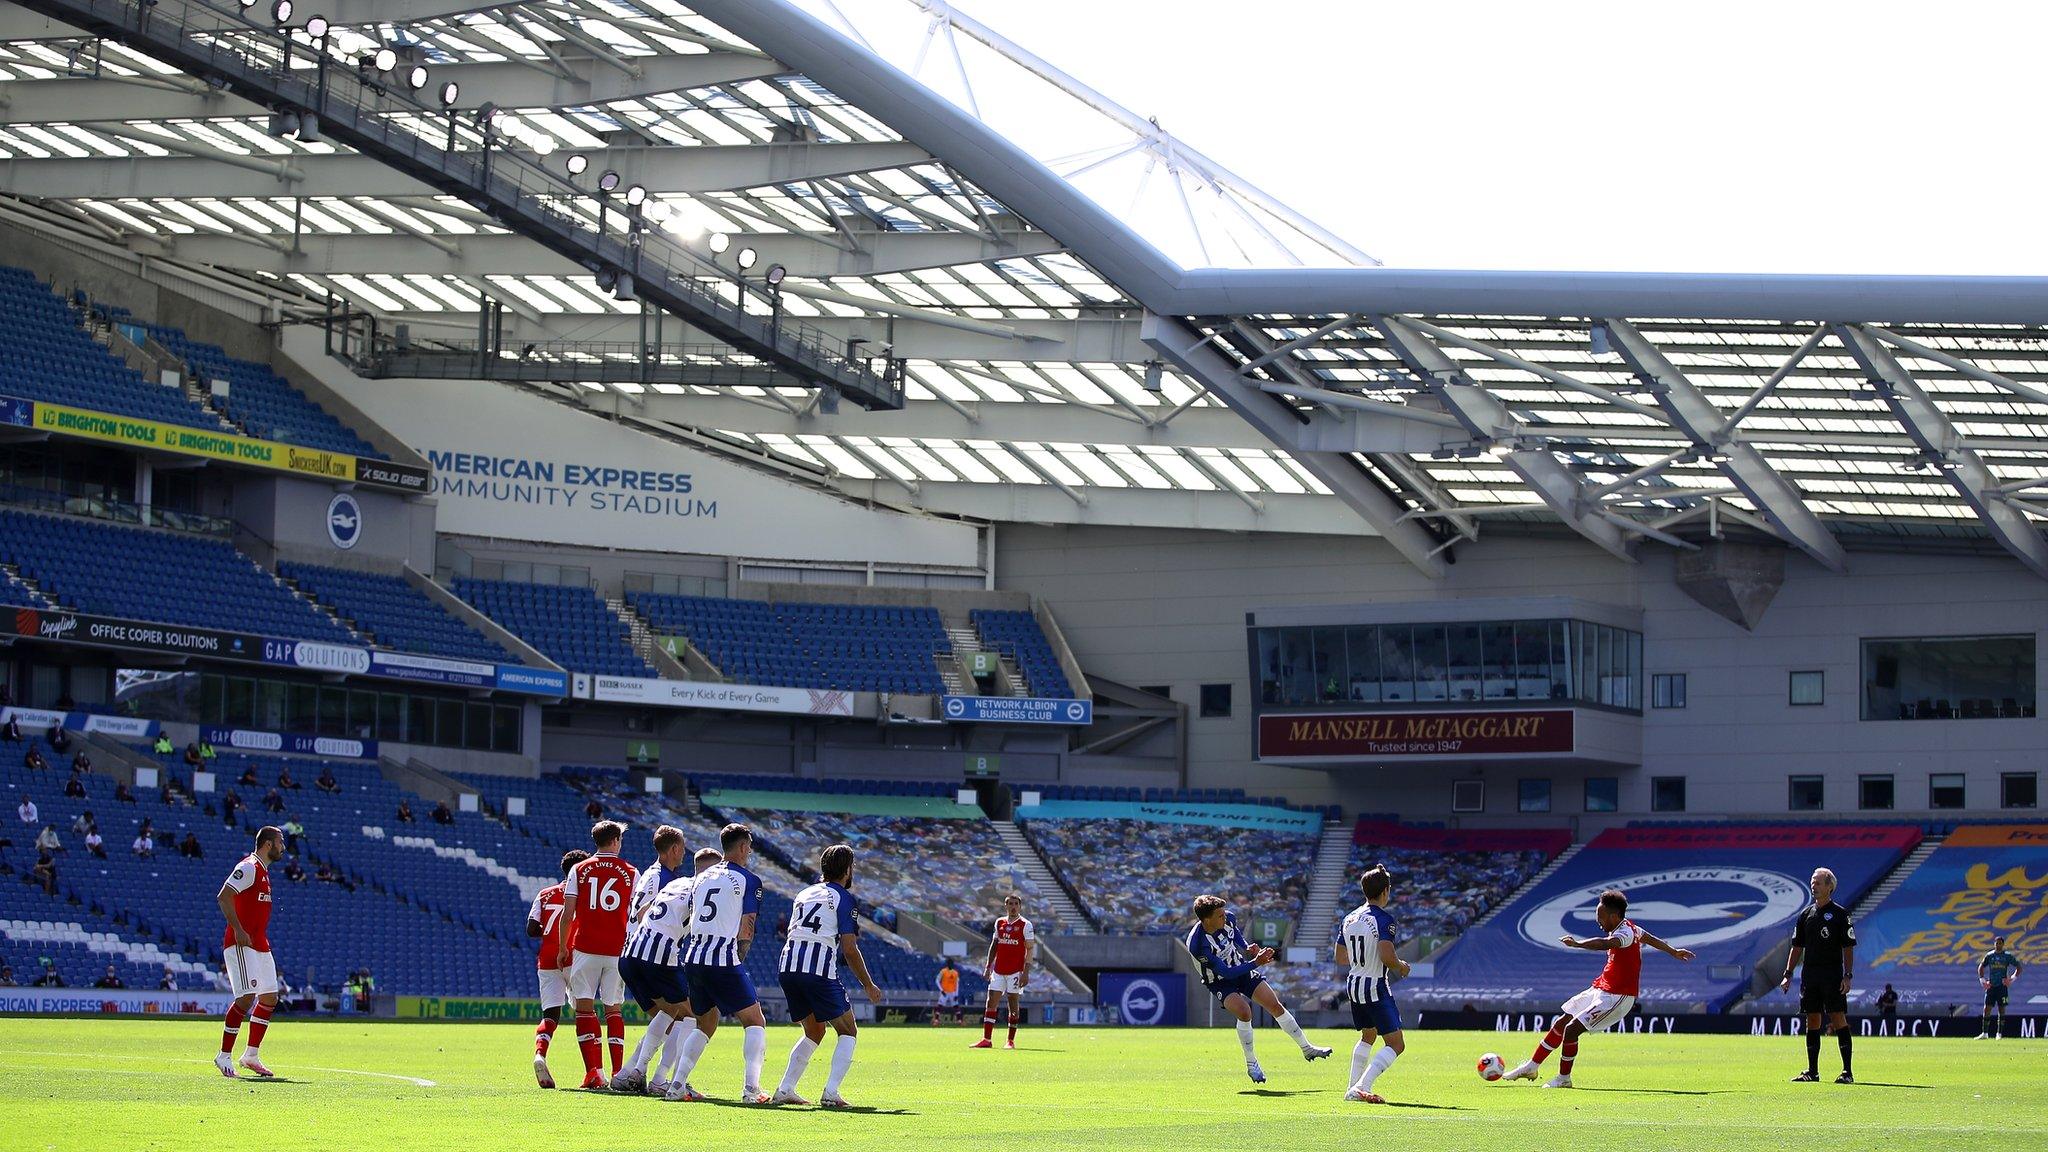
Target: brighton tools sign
point(1328, 735)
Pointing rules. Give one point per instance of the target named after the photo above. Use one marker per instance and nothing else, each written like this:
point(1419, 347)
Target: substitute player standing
point(1826, 940)
point(244, 901)
point(1230, 970)
point(594, 899)
point(1613, 992)
point(822, 927)
point(1996, 972)
point(1008, 968)
point(551, 963)
point(1366, 946)
point(948, 981)
point(723, 908)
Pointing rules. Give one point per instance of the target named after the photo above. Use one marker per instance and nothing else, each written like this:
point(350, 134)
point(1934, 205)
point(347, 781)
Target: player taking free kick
point(252, 972)
point(1230, 970)
point(594, 910)
point(1613, 992)
point(1007, 969)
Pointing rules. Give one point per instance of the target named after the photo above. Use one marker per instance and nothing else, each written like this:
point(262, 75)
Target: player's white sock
point(672, 1047)
point(1361, 1055)
point(842, 1059)
point(650, 1041)
point(799, 1059)
point(755, 1048)
point(1292, 1027)
point(1380, 1063)
point(1244, 1039)
point(693, 1048)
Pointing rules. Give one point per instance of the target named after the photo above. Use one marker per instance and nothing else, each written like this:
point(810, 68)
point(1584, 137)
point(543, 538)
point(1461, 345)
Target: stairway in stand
point(1058, 903)
point(1328, 887)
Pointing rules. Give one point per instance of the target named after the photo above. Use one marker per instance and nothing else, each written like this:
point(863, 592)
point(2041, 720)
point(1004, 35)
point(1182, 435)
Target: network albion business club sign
point(1391, 735)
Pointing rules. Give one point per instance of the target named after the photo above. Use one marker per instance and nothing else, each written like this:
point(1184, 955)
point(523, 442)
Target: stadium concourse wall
point(1169, 608)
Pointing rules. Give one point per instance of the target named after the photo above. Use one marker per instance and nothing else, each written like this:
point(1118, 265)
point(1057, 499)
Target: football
point(1491, 1068)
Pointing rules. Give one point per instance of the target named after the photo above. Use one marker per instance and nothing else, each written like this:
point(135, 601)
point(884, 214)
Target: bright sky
point(1803, 136)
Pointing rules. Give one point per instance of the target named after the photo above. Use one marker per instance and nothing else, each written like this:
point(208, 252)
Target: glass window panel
point(1945, 790)
point(1806, 794)
point(1874, 793)
point(239, 704)
point(1465, 661)
point(476, 731)
point(362, 715)
point(505, 728)
point(419, 720)
point(1432, 657)
point(302, 708)
point(1950, 678)
point(1667, 794)
point(1397, 663)
point(1333, 669)
point(448, 723)
point(1532, 660)
point(1497, 662)
point(273, 705)
point(1363, 646)
point(2019, 790)
point(391, 716)
point(1561, 658)
point(1297, 666)
point(1269, 665)
point(1807, 689)
point(333, 720)
point(1533, 796)
point(1603, 794)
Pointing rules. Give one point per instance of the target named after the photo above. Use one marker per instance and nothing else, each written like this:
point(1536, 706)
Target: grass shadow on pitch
point(1279, 1092)
point(1417, 1104)
point(1659, 1091)
point(1882, 1084)
point(856, 1110)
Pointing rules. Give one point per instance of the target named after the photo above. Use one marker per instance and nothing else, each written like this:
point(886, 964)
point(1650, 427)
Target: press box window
point(1874, 793)
point(1945, 790)
point(1807, 794)
point(1667, 690)
point(1215, 701)
point(1949, 678)
point(1667, 794)
point(2019, 790)
point(1807, 689)
point(1603, 794)
point(1533, 796)
point(1468, 796)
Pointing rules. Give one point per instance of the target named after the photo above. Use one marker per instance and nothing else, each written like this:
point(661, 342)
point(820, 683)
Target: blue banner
point(296, 743)
point(1984, 882)
point(532, 681)
point(1282, 820)
point(1017, 710)
point(1145, 999)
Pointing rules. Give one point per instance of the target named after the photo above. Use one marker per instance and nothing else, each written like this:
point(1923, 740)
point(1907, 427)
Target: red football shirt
point(547, 912)
point(1623, 972)
point(1010, 938)
point(250, 882)
point(602, 889)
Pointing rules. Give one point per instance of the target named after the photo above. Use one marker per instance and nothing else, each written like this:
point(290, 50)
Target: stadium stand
point(392, 612)
point(45, 355)
point(1445, 879)
point(570, 626)
point(1142, 877)
point(261, 402)
point(1983, 881)
point(1728, 892)
point(853, 647)
point(1018, 636)
point(144, 574)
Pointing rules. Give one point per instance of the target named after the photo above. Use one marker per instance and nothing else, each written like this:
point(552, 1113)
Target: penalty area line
point(416, 1081)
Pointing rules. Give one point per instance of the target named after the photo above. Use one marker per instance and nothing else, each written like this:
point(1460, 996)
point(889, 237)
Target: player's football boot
point(680, 1092)
point(1364, 1097)
point(756, 1096)
point(593, 1081)
point(782, 1097)
point(981, 1043)
point(657, 1087)
point(1561, 1080)
point(250, 1062)
point(226, 1064)
point(628, 1082)
point(1983, 1035)
point(833, 1100)
point(1010, 1045)
point(1807, 1078)
point(1526, 1070)
point(541, 1075)
point(1845, 1078)
point(1252, 1069)
point(1311, 1052)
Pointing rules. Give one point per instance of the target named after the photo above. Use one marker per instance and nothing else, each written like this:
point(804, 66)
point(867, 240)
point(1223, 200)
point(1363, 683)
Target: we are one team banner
point(222, 447)
point(1283, 820)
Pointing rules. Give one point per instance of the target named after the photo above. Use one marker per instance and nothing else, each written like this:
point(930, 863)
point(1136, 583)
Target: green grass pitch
point(104, 1085)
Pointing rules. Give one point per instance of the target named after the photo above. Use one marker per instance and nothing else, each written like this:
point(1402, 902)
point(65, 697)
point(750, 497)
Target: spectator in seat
point(111, 980)
point(83, 821)
point(192, 760)
point(1888, 1004)
point(46, 841)
point(292, 831)
point(45, 873)
point(206, 751)
point(594, 810)
point(169, 981)
point(74, 789)
point(229, 805)
point(163, 746)
point(27, 811)
point(189, 847)
point(326, 782)
point(6, 976)
point(33, 759)
point(294, 871)
point(60, 740)
point(11, 731)
point(81, 762)
point(94, 844)
point(48, 977)
point(273, 801)
point(123, 794)
point(404, 812)
point(285, 781)
point(442, 815)
point(248, 777)
point(144, 845)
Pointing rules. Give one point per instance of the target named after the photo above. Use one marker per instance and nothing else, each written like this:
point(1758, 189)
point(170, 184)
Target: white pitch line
point(413, 1080)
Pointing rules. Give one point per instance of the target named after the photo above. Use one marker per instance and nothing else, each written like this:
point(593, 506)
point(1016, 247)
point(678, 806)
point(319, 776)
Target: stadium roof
point(1100, 324)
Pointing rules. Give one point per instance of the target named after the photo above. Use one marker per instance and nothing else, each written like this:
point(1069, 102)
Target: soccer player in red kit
point(596, 904)
point(1008, 968)
point(1613, 992)
point(252, 972)
point(543, 922)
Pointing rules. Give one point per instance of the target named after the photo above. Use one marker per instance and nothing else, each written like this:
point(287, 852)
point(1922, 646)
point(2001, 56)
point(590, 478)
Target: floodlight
point(635, 194)
point(543, 146)
point(718, 242)
point(248, 3)
point(281, 12)
point(317, 27)
point(775, 274)
point(385, 60)
point(416, 77)
point(449, 92)
point(609, 182)
point(747, 258)
point(576, 164)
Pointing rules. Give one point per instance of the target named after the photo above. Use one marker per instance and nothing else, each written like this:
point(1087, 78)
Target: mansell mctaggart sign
point(1347, 735)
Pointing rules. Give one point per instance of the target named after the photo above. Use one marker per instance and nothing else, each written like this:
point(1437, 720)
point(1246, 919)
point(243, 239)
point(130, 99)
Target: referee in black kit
point(1826, 940)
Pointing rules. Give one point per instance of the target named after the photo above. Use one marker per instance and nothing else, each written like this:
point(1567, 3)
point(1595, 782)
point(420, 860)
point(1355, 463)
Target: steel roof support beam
point(1692, 413)
point(1931, 429)
point(1485, 417)
point(1198, 358)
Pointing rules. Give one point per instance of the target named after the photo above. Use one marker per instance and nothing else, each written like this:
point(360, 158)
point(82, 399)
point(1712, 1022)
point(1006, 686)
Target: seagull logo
point(1143, 1002)
point(344, 521)
point(1703, 905)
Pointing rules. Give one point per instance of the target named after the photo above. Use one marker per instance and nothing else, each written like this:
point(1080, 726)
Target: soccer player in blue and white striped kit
point(723, 907)
point(652, 969)
point(1230, 970)
point(822, 927)
point(1366, 945)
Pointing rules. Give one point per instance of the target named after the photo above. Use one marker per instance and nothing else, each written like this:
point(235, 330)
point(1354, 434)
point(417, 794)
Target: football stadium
point(799, 558)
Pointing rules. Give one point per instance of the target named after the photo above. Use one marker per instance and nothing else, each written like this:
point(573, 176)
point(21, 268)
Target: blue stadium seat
point(1018, 636)
point(849, 647)
point(262, 403)
point(570, 626)
point(392, 612)
point(45, 355)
